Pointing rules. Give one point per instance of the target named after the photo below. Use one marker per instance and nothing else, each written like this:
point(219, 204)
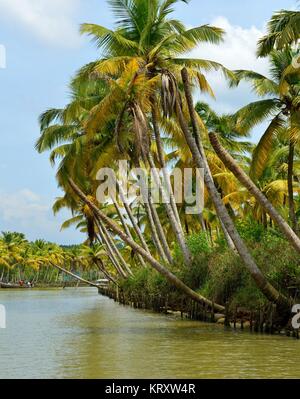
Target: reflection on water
point(78, 334)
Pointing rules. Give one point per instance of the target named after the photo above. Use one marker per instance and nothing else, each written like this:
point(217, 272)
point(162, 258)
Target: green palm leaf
point(263, 149)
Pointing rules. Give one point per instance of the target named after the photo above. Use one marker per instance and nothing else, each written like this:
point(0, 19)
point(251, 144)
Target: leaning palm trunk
point(161, 158)
point(176, 227)
point(158, 234)
point(154, 234)
point(292, 211)
point(126, 229)
point(103, 239)
point(102, 268)
point(116, 251)
point(172, 279)
point(238, 172)
point(132, 218)
point(228, 239)
point(200, 159)
point(160, 231)
point(75, 276)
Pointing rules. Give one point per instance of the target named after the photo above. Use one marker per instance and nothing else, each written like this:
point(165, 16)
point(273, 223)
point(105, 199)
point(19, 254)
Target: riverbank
point(41, 286)
point(262, 320)
point(218, 274)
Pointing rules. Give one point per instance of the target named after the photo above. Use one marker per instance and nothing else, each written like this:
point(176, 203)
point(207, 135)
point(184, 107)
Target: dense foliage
point(134, 103)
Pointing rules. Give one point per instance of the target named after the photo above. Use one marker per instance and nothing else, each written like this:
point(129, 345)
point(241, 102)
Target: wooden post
point(261, 319)
point(227, 319)
point(257, 319)
point(234, 319)
point(212, 314)
point(251, 321)
point(166, 304)
point(205, 313)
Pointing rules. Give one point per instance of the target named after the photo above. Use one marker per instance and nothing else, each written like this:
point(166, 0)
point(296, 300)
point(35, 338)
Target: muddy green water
point(78, 334)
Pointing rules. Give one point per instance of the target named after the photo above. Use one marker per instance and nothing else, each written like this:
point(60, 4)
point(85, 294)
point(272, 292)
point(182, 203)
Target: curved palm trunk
point(199, 156)
point(160, 232)
point(132, 218)
point(154, 233)
point(244, 179)
point(153, 262)
point(102, 268)
point(110, 251)
point(176, 227)
point(75, 276)
point(116, 251)
point(162, 162)
point(292, 211)
point(124, 264)
point(228, 239)
point(126, 229)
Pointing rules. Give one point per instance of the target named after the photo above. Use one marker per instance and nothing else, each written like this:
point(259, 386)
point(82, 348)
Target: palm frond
point(262, 151)
point(255, 113)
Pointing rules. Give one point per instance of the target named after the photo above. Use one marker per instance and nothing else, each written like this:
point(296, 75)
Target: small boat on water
point(14, 286)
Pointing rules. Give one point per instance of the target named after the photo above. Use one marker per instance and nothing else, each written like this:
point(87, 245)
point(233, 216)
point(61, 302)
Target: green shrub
point(219, 274)
point(198, 244)
point(250, 230)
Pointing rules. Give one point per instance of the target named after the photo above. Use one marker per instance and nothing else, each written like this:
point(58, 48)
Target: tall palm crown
point(146, 44)
point(281, 103)
point(283, 107)
point(145, 31)
point(283, 30)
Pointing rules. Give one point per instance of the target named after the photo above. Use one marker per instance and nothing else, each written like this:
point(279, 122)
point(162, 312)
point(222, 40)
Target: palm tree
point(95, 255)
point(197, 150)
point(63, 132)
point(283, 31)
point(225, 137)
point(282, 105)
point(148, 257)
point(148, 43)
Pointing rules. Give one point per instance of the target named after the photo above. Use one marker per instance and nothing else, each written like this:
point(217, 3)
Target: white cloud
point(238, 51)
point(51, 20)
point(239, 48)
point(26, 212)
point(22, 206)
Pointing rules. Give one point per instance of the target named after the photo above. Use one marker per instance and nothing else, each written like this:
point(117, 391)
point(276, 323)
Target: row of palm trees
point(135, 103)
point(41, 262)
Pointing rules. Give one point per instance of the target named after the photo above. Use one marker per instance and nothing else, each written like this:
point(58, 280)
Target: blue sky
point(43, 51)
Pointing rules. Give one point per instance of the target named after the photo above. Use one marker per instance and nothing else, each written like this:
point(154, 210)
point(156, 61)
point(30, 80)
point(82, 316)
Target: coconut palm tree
point(147, 42)
point(174, 280)
point(196, 146)
point(283, 31)
point(282, 106)
point(225, 137)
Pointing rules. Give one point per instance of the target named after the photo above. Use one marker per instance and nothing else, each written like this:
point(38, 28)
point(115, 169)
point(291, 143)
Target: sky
point(41, 50)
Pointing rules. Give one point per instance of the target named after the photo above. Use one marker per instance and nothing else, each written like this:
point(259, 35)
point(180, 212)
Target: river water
point(75, 333)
